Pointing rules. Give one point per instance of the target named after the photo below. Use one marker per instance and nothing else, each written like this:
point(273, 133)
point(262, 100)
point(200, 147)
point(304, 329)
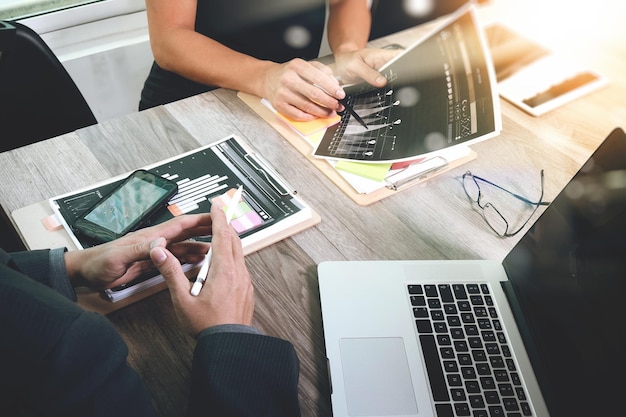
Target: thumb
point(169, 266)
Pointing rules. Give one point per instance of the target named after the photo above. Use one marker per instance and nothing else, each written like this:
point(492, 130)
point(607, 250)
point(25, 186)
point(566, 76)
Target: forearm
point(349, 25)
point(201, 59)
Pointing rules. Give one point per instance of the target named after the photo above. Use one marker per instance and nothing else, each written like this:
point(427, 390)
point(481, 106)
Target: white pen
point(204, 269)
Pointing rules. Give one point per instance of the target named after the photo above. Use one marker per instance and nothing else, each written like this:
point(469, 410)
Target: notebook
point(541, 333)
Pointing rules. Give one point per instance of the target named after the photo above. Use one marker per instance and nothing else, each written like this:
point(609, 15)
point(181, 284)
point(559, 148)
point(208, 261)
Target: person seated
point(60, 360)
point(262, 48)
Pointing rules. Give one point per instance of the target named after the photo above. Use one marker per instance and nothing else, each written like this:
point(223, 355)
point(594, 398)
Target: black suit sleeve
point(244, 374)
point(60, 360)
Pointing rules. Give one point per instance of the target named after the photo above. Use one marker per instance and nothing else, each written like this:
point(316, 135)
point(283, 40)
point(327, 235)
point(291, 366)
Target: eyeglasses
point(492, 216)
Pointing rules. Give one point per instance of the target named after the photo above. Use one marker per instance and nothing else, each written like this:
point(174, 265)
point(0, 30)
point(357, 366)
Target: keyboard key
point(464, 305)
point(457, 394)
point(472, 386)
point(501, 375)
point(454, 380)
point(461, 346)
point(444, 340)
point(475, 342)
point(445, 291)
point(423, 326)
point(418, 300)
point(450, 366)
point(430, 291)
point(468, 372)
point(444, 410)
point(492, 348)
point(467, 318)
point(487, 383)
point(459, 291)
point(492, 397)
point(510, 365)
point(433, 366)
point(462, 409)
point(464, 359)
point(420, 312)
point(437, 315)
point(476, 300)
point(450, 308)
point(440, 327)
point(447, 353)
point(479, 355)
point(510, 404)
point(471, 330)
point(526, 409)
point(484, 288)
point(434, 303)
point(453, 321)
point(415, 289)
point(483, 368)
point(476, 401)
point(473, 289)
point(480, 311)
point(496, 411)
point(496, 362)
point(457, 333)
point(506, 390)
point(515, 379)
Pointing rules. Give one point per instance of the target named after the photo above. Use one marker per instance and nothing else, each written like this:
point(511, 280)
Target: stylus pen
point(204, 269)
point(344, 102)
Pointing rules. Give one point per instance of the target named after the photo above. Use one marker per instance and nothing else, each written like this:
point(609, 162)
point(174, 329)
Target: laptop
point(541, 333)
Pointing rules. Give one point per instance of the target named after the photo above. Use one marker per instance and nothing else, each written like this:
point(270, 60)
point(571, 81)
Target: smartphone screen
point(126, 207)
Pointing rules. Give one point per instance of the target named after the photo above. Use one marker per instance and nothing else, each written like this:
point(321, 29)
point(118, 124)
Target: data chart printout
point(269, 209)
point(441, 92)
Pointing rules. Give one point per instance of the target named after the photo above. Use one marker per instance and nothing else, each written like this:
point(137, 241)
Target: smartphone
point(126, 207)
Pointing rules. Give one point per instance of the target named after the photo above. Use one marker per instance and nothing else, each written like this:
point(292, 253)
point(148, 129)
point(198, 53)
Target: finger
point(170, 268)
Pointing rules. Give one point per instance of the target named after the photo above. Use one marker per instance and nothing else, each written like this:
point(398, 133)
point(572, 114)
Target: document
point(441, 92)
point(270, 211)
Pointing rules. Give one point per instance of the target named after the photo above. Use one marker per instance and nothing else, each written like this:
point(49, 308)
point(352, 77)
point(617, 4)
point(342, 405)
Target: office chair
point(38, 98)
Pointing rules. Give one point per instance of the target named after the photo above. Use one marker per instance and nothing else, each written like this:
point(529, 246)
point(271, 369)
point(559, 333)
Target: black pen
point(344, 102)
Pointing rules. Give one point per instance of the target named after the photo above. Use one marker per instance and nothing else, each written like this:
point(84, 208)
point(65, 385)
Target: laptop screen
point(567, 283)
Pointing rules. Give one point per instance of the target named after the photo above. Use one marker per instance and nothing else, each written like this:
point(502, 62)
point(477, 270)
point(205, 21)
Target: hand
point(122, 260)
point(362, 65)
point(303, 90)
point(227, 296)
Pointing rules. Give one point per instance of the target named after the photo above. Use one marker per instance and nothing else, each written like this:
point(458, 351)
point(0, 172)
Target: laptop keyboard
point(467, 355)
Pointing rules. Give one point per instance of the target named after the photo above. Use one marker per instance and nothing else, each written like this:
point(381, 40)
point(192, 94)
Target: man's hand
point(227, 296)
point(122, 260)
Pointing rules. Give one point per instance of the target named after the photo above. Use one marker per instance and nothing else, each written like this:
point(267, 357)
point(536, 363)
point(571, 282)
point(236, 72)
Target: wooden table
point(433, 220)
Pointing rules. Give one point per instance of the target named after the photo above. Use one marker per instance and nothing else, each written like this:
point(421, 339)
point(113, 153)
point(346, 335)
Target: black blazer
point(58, 359)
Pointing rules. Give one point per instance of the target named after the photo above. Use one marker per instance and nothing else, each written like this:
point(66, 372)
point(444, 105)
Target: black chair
point(38, 98)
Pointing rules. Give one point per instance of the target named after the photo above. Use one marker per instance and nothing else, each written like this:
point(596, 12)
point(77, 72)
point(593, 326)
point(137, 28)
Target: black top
point(291, 29)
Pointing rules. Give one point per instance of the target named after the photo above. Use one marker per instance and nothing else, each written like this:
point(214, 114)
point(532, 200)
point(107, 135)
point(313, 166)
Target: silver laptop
point(542, 333)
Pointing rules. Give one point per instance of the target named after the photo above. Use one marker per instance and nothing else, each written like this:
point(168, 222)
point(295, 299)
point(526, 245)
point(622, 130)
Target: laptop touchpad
point(376, 377)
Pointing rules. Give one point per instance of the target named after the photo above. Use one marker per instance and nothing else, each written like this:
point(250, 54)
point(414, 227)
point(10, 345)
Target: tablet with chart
point(440, 92)
point(269, 211)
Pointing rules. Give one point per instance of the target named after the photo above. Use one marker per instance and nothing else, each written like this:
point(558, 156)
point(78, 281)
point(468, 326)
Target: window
point(50, 15)
point(19, 9)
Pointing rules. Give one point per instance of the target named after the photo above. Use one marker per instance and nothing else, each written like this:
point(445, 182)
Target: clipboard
point(232, 161)
point(433, 168)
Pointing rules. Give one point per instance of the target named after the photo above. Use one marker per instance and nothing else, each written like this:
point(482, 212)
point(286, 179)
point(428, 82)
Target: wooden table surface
point(433, 220)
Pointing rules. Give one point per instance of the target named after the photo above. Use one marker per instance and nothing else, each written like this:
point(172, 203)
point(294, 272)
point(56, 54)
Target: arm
point(238, 372)
point(178, 48)
point(349, 24)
